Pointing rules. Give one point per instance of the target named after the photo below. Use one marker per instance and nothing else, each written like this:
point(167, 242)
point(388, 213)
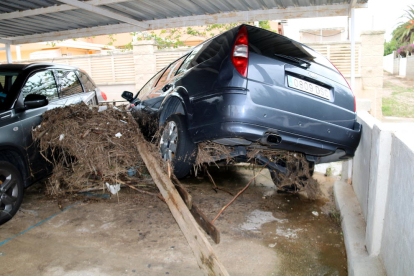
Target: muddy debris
point(88, 148)
point(299, 176)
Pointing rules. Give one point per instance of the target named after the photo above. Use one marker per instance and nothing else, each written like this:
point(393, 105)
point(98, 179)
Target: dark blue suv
point(250, 89)
point(26, 92)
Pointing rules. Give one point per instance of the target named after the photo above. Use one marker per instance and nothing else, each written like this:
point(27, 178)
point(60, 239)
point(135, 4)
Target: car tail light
point(240, 54)
point(348, 86)
point(104, 96)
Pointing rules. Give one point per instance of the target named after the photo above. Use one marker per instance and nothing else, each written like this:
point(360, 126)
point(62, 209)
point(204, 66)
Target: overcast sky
point(383, 14)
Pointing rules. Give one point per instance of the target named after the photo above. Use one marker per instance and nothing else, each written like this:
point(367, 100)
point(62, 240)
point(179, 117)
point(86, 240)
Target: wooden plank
point(198, 215)
point(204, 253)
point(205, 223)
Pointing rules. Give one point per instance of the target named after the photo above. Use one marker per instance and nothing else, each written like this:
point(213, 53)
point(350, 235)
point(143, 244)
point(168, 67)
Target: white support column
point(18, 53)
point(8, 53)
point(352, 35)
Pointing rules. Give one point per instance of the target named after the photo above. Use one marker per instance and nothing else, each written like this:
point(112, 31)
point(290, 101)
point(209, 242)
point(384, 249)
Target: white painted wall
point(362, 159)
point(383, 181)
point(403, 67)
point(389, 63)
point(113, 92)
point(397, 250)
point(293, 27)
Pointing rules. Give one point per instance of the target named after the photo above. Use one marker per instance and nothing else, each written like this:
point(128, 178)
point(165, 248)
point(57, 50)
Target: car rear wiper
point(300, 61)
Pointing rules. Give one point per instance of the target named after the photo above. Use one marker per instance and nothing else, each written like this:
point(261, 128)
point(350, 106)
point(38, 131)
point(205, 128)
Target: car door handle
point(167, 87)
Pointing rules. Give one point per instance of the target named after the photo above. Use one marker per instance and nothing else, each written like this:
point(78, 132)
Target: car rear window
point(268, 44)
point(69, 83)
point(88, 84)
point(6, 81)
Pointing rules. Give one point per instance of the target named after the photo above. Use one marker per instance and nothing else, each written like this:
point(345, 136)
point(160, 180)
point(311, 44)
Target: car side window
point(42, 83)
point(88, 84)
point(146, 89)
point(69, 83)
point(187, 63)
point(176, 66)
point(169, 72)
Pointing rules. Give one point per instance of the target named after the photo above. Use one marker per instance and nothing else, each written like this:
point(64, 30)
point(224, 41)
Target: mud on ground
point(263, 232)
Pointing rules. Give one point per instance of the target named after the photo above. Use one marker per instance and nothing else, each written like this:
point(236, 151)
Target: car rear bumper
point(234, 115)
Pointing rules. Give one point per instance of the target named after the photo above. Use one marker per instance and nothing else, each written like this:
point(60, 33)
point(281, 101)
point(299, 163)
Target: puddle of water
point(257, 218)
point(288, 233)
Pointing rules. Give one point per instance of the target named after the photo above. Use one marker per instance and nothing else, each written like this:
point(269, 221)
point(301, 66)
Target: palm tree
point(404, 33)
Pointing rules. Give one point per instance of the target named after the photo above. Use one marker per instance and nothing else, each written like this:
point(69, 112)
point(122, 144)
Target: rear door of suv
point(288, 76)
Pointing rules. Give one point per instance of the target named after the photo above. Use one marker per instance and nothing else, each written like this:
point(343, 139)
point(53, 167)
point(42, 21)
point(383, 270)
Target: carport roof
point(44, 20)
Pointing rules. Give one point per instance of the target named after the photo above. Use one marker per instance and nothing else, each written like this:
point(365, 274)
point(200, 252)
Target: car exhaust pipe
point(274, 139)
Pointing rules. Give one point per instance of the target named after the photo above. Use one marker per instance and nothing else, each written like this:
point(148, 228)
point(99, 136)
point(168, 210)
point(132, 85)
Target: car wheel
point(298, 176)
point(177, 146)
point(11, 191)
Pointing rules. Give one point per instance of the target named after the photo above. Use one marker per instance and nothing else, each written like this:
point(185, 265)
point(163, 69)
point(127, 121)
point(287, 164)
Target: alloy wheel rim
point(168, 141)
point(8, 191)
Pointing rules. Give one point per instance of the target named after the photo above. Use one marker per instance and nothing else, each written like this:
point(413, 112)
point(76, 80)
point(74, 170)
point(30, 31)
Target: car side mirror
point(129, 96)
point(35, 101)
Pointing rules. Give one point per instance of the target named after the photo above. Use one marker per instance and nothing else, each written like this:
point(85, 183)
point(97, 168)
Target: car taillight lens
point(104, 96)
point(240, 54)
point(348, 85)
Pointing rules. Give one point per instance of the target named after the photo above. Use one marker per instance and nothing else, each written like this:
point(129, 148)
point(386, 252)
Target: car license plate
point(309, 87)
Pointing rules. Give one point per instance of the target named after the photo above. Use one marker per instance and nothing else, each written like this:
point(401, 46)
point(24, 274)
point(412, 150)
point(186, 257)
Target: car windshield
point(6, 81)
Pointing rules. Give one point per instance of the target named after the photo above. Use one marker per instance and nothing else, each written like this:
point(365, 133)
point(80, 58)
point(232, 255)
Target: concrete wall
point(397, 250)
point(402, 71)
point(383, 181)
point(409, 69)
point(403, 67)
point(389, 63)
point(396, 69)
point(362, 159)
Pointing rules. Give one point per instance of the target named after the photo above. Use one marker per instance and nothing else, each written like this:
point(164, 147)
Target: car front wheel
point(11, 191)
point(177, 146)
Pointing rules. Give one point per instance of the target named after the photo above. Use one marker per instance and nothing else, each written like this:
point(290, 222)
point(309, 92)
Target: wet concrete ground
point(262, 233)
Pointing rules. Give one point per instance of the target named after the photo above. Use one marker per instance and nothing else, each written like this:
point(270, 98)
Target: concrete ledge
point(353, 226)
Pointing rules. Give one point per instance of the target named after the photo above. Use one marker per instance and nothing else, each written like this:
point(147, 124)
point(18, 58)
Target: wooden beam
point(196, 20)
point(104, 12)
point(52, 9)
point(204, 253)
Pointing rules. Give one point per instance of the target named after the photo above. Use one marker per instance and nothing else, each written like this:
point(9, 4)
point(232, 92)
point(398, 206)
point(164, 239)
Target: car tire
point(291, 188)
point(11, 198)
point(175, 144)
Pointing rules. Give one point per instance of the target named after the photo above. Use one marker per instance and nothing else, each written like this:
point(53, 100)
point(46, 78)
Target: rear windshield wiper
point(300, 61)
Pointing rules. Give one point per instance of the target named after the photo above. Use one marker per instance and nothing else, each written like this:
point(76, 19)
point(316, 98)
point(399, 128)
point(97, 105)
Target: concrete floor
point(262, 233)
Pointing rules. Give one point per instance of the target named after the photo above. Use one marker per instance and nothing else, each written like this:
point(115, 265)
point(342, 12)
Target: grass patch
point(392, 106)
point(400, 103)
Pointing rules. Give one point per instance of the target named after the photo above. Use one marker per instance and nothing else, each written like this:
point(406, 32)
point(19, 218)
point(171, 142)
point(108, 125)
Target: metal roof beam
point(52, 9)
point(104, 12)
point(351, 6)
point(6, 41)
point(196, 20)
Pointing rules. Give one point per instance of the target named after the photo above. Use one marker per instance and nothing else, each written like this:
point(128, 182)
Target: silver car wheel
point(168, 141)
point(8, 191)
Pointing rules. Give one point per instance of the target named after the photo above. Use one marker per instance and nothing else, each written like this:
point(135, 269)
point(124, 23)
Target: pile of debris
point(88, 148)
